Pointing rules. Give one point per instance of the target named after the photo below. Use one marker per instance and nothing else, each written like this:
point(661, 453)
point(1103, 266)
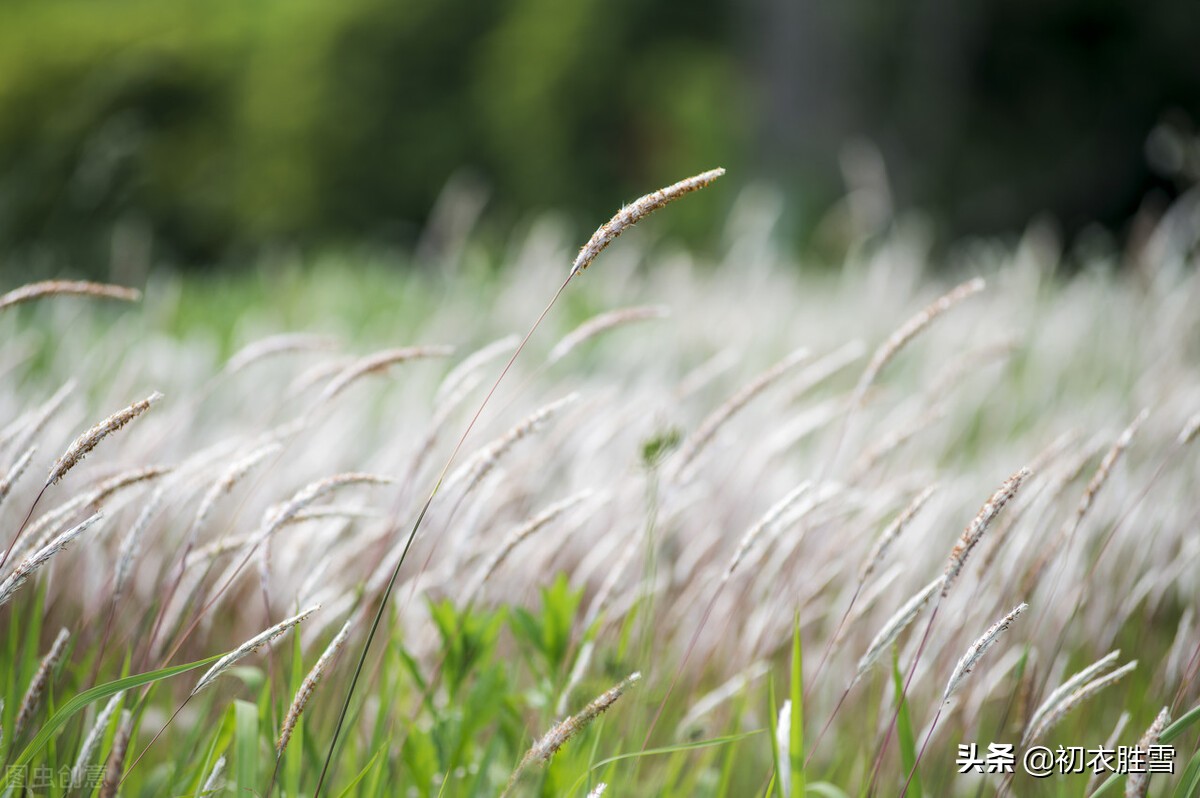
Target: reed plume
point(300, 701)
point(35, 561)
point(974, 530)
point(891, 630)
point(978, 648)
point(636, 211)
point(1053, 714)
point(115, 771)
point(547, 746)
point(28, 293)
point(249, 647)
point(909, 330)
point(90, 743)
point(1138, 782)
point(32, 699)
point(88, 441)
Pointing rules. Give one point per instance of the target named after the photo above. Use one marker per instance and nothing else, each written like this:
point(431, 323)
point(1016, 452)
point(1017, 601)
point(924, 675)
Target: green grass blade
point(362, 774)
point(904, 730)
point(1189, 782)
point(773, 718)
point(245, 746)
point(76, 704)
point(669, 749)
point(796, 736)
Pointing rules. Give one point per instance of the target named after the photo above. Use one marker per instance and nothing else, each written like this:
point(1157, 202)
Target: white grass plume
point(886, 538)
point(300, 701)
point(501, 552)
point(602, 323)
point(275, 345)
point(909, 330)
point(1138, 782)
point(549, 743)
point(90, 743)
point(1070, 685)
point(15, 472)
point(763, 524)
point(39, 558)
point(249, 647)
point(1054, 714)
point(978, 648)
point(699, 440)
point(895, 625)
point(377, 362)
point(37, 686)
point(979, 524)
point(88, 441)
point(634, 212)
point(28, 293)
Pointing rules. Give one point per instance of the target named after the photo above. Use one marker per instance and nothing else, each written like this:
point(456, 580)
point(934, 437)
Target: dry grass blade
point(249, 647)
point(909, 330)
point(636, 211)
point(978, 648)
point(88, 441)
point(28, 293)
point(32, 699)
point(32, 563)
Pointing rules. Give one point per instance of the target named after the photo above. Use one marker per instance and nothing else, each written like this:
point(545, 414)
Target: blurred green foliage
point(213, 128)
point(219, 125)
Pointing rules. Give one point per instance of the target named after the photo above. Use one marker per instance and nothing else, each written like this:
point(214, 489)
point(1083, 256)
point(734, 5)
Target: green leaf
point(76, 704)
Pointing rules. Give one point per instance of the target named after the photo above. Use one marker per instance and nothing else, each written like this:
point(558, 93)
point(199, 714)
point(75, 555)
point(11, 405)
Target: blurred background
point(201, 133)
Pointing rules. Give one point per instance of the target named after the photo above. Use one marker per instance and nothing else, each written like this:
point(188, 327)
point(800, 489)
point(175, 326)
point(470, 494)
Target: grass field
point(726, 476)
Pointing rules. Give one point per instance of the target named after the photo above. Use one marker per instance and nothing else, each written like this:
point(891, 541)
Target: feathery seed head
point(636, 211)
